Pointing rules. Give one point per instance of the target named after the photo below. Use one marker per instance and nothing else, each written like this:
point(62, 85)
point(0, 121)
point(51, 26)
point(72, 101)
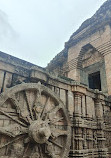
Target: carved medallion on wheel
point(33, 123)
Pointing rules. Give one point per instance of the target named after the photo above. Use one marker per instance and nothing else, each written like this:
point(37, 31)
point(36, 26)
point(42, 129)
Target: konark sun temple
point(63, 110)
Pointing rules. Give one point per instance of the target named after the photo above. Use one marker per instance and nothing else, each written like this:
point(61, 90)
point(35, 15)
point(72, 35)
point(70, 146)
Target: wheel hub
point(39, 131)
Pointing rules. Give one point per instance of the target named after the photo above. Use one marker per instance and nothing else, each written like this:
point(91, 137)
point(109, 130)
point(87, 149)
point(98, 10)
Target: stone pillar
point(102, 151)
point(71, 104)
point(77, 105)
point(77, 123)
point(84, 139)
point(80, 138)
point(95, 144)
point(90, 138)
point(78, 143)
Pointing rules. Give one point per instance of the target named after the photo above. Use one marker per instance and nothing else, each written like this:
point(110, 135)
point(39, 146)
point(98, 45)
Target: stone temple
point(63, 110)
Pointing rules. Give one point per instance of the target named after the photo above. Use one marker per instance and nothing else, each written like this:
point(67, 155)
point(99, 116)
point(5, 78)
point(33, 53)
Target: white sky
point(36, 30)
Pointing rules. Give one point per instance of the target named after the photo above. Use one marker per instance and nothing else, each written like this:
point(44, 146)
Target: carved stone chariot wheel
point(33, 123)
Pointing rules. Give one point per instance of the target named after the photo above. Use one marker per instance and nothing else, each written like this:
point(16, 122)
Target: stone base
point(91, 153)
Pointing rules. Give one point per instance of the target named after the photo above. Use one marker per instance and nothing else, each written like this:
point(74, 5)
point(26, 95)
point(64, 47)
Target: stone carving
point(38, 125)
point(95, 139)
point(107, 120)
point(84, 140)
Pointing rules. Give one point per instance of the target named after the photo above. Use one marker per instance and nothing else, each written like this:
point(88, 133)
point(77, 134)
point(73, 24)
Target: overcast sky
point(36, 30)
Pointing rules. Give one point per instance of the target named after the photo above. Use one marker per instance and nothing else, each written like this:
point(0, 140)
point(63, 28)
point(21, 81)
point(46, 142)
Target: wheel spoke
point(37, 152)
point(12, 141)
point(47, 101)
point(26, 149)
point(14, 119)
point(58, 132)
point(13, 130)
point(55, 143)
point(50, 150)
point(15, 102)
point(40, 151)
point(38, 98)
point(27, 95)
point(22, 113)
point(37, 104)
point(53, 112)
point(57, 120)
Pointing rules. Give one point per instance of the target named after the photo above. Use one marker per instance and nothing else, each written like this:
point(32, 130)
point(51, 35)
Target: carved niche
point(33, 123)
point(90, 56)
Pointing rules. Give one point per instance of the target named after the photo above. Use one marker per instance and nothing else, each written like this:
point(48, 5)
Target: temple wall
point(89, 110)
